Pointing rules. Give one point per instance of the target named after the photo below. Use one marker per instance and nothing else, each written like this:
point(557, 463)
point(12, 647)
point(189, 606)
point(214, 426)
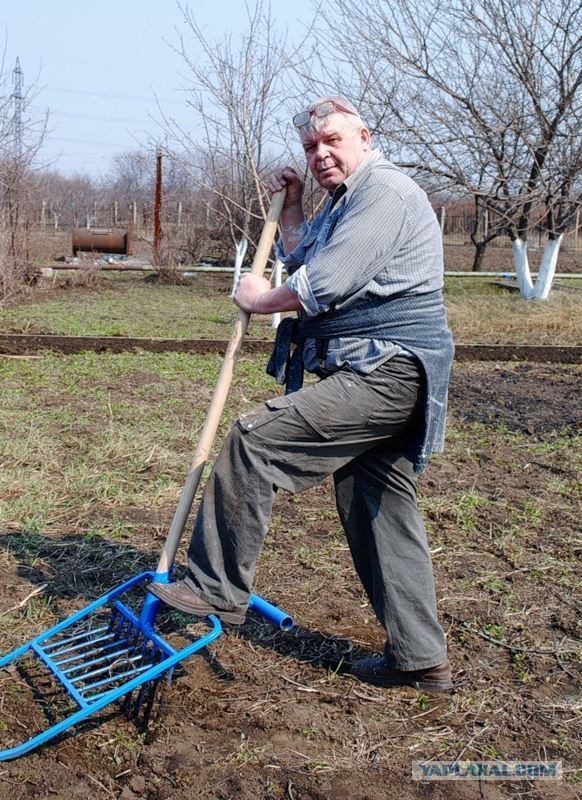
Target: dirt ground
point(265, 714)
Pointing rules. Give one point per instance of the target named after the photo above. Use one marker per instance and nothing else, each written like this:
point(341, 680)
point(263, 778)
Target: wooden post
point(443, 214)
point(157, 210)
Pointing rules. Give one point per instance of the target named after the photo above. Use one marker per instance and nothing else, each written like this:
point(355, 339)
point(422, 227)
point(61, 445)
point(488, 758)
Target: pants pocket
point(262, 415)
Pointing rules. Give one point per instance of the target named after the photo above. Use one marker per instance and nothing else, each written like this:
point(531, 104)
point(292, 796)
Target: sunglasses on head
point(321, 110)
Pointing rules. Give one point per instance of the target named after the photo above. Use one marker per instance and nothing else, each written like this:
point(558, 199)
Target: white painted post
point(277, 269)
point(576, 231)
point(241, 250)
point(179, 213)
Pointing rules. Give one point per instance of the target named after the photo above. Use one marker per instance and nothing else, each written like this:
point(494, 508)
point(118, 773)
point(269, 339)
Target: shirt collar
point(357, 175)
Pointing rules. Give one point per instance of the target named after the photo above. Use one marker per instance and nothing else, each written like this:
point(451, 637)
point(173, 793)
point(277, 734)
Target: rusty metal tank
point(101, 240)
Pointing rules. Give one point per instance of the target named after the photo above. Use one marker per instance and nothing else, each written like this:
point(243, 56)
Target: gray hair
point(354, 119)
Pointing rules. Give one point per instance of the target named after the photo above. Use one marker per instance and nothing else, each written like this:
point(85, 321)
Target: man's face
point(335, 151)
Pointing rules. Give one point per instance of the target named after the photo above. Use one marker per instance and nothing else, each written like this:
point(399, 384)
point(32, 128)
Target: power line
point(100, 118)
point(85, 141)
point(110, 96)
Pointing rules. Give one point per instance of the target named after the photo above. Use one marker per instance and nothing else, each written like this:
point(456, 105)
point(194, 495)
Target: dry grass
point(482, 313)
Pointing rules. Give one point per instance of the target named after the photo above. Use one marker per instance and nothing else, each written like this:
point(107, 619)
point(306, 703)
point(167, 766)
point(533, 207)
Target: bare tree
point(480, 95)
point(237, 89)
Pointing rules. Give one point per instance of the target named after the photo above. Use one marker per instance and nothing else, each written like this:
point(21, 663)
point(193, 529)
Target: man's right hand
point(286, 177)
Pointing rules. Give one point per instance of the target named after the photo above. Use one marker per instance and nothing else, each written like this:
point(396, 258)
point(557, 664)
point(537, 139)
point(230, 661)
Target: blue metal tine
point(109, 646)
point(106, 657)
point(79, 647)
point(83, 634)
point(101, 670)
point(90, 686)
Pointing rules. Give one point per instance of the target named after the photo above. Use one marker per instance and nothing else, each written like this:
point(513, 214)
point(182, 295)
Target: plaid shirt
point(377, 236)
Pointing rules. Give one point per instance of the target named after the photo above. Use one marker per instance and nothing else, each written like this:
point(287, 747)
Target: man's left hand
point(249, 290)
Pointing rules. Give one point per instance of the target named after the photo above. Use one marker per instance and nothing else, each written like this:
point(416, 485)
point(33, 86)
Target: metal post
point(18, 103)
point(157, 209)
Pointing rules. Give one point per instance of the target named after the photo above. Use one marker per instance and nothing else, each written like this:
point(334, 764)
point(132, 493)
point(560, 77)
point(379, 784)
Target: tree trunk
point(480, 248)
point(522, 270)
point(545, 277)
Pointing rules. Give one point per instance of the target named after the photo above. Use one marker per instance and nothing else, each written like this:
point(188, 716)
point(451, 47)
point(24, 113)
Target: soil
point(271, 715)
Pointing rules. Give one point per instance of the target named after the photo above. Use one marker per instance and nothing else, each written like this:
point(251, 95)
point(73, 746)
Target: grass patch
point(478, 311)
point(130, 308)
point(481, 313)
point(104, 432)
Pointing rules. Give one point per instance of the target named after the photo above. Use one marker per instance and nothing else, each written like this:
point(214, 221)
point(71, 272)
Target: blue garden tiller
point(106, 651)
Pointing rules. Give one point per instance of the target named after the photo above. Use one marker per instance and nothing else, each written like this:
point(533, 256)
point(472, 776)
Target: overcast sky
point(100, 65)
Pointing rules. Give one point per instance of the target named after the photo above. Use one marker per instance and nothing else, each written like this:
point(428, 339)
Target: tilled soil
point(265, 714)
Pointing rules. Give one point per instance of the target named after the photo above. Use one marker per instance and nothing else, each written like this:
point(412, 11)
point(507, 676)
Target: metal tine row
point(117, 643)
point(84, 634)
point(80, 647)
point(131, 646)
point(155, 655)
point(88, 653)
point(110, 657)
point(150, 654)
point(120, 676)
point(124, 661)
point(117, 626)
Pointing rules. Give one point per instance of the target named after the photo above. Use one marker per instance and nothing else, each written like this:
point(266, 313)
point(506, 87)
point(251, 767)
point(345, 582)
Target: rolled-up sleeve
point(298, 283)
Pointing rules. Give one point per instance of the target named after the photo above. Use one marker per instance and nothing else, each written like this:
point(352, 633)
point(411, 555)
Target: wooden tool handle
point(220, 394)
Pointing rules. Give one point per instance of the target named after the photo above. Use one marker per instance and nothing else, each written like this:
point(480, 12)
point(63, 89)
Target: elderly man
point(366, 279)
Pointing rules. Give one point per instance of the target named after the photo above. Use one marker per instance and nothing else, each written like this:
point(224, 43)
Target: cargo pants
point(353, 427)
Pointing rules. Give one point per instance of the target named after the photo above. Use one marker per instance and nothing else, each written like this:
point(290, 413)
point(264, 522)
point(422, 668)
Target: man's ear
point(365, 138)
